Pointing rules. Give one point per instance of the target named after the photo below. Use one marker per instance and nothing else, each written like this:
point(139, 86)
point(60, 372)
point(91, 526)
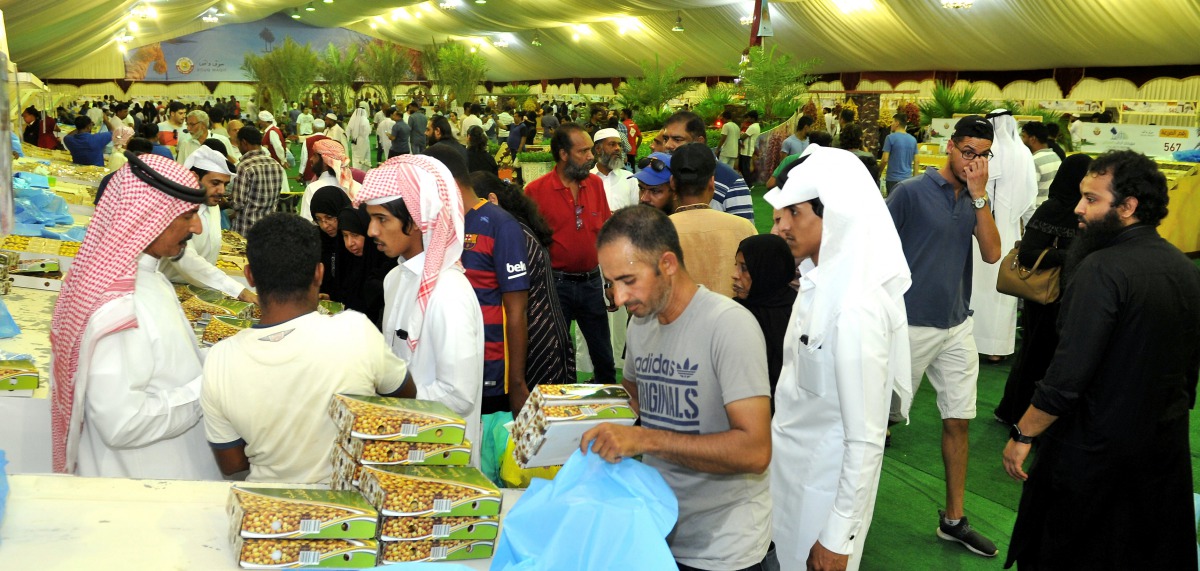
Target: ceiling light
point(295, 13)
point(500, 44)
point(122, 48)
point(473, 50)
point(678, 22)
point(329, 1)
point(210, 18)
point(310, 8)
point(481, 1)
point(373, 25)
point(537, 39)
point(575, 36)
point(746, 20)
point(229, 6)
point(956, 4)
point(450, 4)
point(133, 27)
point(417, 15)
point(144, 11)
point(627, 25)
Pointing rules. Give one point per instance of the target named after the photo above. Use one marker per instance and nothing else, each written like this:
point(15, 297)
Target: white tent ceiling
point(51, 37)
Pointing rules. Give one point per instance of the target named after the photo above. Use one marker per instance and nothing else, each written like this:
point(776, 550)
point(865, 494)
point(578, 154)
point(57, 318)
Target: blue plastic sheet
point(592, 515)
point(16, 145)
point(37, 206)
point(72, 234)
point(1187, 155)
point(3, 487)
point(8, 327)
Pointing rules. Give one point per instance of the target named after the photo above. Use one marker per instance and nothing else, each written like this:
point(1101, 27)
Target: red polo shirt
point(573, 248)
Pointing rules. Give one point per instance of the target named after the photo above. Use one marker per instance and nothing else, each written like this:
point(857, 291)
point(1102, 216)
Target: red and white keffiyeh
point(334, 157)
point(435, 203)
point(131, 216)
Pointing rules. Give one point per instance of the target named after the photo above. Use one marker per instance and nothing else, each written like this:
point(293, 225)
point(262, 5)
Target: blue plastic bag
point(3, 487)
point(1187, 155)
point(8, 327)
point(592, 515)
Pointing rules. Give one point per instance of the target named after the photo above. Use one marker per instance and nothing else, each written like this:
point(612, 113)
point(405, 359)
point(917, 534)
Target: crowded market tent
point(531, 284)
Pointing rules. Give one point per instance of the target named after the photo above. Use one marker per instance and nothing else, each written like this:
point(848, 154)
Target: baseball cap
point(693, 162)
point(606, 133)
point(973, 126)
point(651, 177)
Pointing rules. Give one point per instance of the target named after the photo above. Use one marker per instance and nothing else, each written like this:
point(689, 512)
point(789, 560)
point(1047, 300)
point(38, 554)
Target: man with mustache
point(1111, 484)
point(574, 203)
point(197, 263)
point(126, 366)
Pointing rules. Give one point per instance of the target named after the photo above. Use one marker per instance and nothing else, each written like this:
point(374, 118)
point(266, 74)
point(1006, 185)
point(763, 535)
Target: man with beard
point(697, 375)
point(936, 214)
point(573, 201)
point(619, 185)
point(439, 132)
point(126, 368)
point(1111, 484)
point(196, 265)
point(654, 183)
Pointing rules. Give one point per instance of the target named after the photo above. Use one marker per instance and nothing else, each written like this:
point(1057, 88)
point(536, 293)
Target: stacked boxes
point(433, 513)
point(409, 458)
point(555, 417)
point(284, 528)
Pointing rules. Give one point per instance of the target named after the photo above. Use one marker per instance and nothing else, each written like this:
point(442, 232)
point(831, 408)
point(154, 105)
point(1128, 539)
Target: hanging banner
point(217, 54)
point(1150, 140)
point(1159, 107)
point(764, 22)
point(1073, 106)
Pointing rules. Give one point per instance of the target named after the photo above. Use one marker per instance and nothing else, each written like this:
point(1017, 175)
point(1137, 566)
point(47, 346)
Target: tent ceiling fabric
point(49, 36)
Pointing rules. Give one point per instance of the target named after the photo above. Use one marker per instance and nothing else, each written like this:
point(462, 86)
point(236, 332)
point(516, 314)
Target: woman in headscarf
point(762, 276)
point(361, 272)
point(333, 167)
point(1052, 226)
point(1012, 192)
point(359, 131)
point(478, 158)
point(327, 203)
point(551, 359)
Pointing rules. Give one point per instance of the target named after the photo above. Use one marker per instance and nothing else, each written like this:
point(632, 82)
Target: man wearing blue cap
point(936, 215)
point(654, 183)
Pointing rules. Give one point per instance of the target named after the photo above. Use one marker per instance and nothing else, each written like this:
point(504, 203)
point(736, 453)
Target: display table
point(26, 438)
point(1181, 227)
point(67, 522)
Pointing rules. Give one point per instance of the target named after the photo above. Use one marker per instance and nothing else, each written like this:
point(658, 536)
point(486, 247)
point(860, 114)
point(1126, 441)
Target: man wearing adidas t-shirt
point(697, 371)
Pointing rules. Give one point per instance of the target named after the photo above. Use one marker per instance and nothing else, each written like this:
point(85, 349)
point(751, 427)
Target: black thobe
point(1110, 486)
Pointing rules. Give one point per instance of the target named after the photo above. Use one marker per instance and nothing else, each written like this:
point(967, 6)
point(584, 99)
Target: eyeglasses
point(656, 165)
point(970, 154)
point(579, 217)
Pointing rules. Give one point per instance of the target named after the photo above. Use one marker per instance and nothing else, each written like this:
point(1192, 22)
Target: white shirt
point(447, 365)
point(620, 188)
point(506, 119)
point(750, 143)
point(732, 133)
point(831, 412)
point(196, 266)
point(142, 401)
point(304, 124)
point(338, 134)
point(383, 131)
point(252, 391)
point(468, 122)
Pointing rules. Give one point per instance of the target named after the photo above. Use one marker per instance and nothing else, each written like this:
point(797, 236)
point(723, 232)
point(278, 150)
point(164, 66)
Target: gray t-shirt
point(400, 139)
point(686, 372)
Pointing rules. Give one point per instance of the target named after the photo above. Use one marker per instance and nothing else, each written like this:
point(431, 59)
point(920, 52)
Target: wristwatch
point(1017, 436)
point(980, 202)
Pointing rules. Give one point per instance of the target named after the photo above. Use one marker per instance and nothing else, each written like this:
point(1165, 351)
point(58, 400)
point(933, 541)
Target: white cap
point(331, 116)
point(795, 189)
point(205, 158)
point(318, 123)
point(266, 116)
point(603, 134)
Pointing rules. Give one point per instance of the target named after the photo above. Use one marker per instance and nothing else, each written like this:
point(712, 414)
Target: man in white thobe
point(431, 317)
point(126, 367)
point(1012, 194)
point(358, 129)
point(845, 348)
point(197, 265)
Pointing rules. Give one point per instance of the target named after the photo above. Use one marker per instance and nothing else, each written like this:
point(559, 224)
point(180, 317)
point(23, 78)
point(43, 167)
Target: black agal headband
point(168, 186)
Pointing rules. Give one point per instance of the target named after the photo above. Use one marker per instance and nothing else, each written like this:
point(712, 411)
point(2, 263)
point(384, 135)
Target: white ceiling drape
point(73, 38)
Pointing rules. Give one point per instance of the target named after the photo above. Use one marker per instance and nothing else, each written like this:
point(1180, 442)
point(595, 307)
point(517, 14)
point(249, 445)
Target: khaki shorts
point(950, 359)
